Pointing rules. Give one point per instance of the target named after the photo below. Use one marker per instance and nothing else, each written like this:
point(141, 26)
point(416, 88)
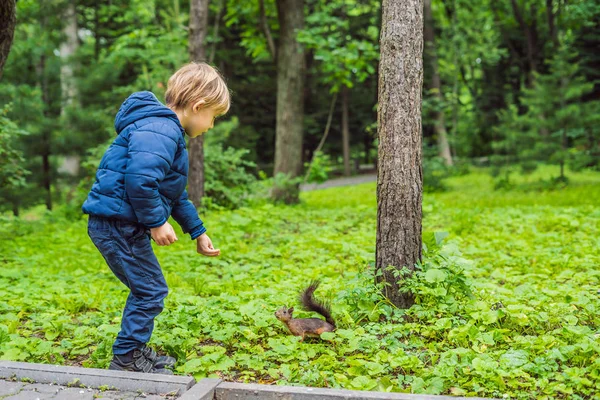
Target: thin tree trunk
point(436, 86)
point(400, 178)
point(97, 28)
point(265, 26)
point(455, 100)
point(197, 49)
point(552, 23)
point(564, 85)
point(46, 170)
point(213, 47)
point(454, 116)
point(290, 96)
point(325, 134)
point(530, 40)
point(7, 31)
point(345, 131)
point(46, 133)
point(67, 49)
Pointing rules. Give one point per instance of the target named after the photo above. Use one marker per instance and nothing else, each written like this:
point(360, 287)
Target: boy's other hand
point(163, 235)
point(205, 247)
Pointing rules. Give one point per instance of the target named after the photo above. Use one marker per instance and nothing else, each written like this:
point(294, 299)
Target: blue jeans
point(127, 250)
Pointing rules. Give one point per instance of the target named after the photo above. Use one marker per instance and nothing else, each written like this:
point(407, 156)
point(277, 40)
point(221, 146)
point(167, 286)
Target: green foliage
point(506, 305)
point(435, 171)
point(346, 49)
point(440, 280)
point(12, 173)
point(287, 188)
point(556, 126)
point(228, 177)
point(320, 167)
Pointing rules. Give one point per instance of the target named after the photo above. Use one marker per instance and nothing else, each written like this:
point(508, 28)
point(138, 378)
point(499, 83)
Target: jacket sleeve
point(151, 153)
point(186, 216)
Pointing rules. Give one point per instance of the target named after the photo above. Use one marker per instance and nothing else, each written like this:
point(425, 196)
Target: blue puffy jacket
point(143, 174)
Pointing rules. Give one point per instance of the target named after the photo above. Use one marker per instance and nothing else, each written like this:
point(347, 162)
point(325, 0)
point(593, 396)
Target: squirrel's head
point(284, 314)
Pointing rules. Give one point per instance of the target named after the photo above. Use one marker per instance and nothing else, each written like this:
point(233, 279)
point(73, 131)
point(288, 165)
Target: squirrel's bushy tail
point(311, 304)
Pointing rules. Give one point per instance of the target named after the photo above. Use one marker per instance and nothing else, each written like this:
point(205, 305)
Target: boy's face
point(199, 119)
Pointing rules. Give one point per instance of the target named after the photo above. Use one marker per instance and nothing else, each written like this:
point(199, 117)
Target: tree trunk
point(46, 170)
point(46, 136)
point(528, 32)
point(436, 86)
point(9, 20)
point(67, 49)
point(290, 96)
point(324, 138)
point(213, 47)
point(564, 84)
point(552, 23)
point(455, 100)
point(345, 132)
point(197, 49)
point(400, 178)
point(97, 28)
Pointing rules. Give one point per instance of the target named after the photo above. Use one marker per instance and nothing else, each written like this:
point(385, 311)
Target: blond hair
point(198, 81)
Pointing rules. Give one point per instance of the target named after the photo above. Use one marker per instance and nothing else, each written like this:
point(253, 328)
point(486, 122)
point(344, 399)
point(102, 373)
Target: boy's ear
point(197, 106)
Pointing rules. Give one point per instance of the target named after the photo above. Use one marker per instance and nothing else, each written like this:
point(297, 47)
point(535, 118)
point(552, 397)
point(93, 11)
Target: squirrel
point(308, 326)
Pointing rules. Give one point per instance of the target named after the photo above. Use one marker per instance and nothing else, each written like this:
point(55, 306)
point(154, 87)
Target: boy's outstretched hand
point(163, 235)
point(205, 247)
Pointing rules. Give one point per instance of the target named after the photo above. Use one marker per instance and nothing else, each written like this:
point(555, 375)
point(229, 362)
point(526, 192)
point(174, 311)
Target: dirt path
point(352, 180)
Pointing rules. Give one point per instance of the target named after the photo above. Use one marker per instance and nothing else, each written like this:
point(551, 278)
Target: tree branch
point(265, 26)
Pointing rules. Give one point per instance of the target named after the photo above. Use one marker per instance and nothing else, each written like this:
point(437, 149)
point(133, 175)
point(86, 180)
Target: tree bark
point(345, 131)
point(436, 86)
point(7, 31)
point(400, 178)
point(197, 49)
point(67, 49)
point(290, 96)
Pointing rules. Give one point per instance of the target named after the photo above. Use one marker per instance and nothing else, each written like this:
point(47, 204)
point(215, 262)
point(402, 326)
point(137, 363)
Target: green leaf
point(435, 275)
point(514, 358)
point(363, 383)
point(193, 366)
point(440, 236)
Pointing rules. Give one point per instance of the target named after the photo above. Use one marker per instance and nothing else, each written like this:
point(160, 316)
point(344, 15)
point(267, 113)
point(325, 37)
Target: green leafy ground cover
point(515, 315)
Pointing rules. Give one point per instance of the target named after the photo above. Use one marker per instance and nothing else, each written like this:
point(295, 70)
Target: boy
point(140, 182)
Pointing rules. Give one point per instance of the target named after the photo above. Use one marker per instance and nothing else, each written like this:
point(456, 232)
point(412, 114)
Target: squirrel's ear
point(291, 309)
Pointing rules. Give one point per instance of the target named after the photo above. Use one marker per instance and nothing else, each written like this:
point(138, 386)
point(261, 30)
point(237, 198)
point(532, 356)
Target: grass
point(529, 331)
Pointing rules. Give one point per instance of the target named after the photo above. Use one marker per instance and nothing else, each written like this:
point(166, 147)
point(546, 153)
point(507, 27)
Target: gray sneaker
point(159, 361)
point(137, 363)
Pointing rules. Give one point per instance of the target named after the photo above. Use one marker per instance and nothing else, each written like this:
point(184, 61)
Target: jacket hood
point(142, 105)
